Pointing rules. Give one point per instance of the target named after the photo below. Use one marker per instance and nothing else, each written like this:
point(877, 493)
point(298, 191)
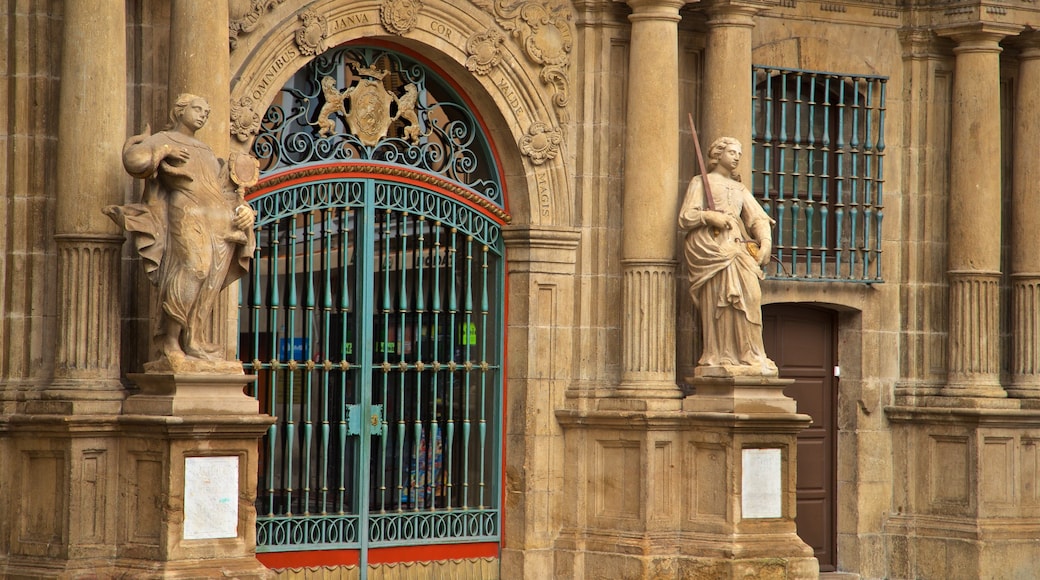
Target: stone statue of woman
point(193, 230)
point(728, 240)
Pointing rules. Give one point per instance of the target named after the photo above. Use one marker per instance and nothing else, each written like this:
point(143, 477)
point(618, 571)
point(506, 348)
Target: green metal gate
point(373, 319)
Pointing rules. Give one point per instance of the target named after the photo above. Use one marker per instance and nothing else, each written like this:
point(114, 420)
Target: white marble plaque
point(761, 485)
point(210, 497)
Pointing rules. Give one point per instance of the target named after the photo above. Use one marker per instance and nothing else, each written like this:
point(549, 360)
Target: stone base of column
point(77, 397)
point(1026, 390)
point(691, 493)
point(643, 396)
point(970, 397)
point(966, 483)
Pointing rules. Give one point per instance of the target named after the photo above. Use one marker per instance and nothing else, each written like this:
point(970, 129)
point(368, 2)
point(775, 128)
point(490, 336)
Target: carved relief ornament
point(541, 143)
point(484, 49)
point(310, 36)
point(245, 21)
point(399, 16)
point(544, 29)
point(244, 121)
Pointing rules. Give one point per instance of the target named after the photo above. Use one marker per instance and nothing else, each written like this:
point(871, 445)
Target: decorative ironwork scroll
point(368, 104)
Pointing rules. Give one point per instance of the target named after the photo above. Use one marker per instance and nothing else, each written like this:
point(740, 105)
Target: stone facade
point(938, 412)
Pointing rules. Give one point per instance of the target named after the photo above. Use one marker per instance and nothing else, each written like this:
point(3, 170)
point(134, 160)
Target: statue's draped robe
point(182, 229)
point(724, 276)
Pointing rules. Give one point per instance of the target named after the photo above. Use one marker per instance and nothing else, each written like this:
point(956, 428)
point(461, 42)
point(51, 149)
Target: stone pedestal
point(966, 499)
point(165, 490)
point(172, 394)
point(703, 492)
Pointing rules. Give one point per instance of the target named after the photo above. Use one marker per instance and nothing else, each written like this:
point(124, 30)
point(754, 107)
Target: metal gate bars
point(373, 320)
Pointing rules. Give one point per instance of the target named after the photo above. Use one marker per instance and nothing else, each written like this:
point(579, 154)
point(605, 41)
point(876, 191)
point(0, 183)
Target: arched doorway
point(802, 340)
point(374, 317)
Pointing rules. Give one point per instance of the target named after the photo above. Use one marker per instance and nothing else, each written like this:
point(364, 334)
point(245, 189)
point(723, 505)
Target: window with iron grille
point(819, 149)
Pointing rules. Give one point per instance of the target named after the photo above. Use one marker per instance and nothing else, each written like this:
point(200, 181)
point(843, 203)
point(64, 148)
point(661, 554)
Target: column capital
point(979, 36)
point(735, 12)
point(1028, 44)
point(654, 9)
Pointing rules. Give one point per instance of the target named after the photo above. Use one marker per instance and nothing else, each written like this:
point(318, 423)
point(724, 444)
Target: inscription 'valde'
point(510, 96)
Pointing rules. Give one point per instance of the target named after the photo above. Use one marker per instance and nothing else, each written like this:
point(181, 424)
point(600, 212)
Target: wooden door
point(801, 340)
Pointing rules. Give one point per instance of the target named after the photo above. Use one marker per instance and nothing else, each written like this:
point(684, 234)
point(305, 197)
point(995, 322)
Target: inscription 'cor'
point(440, 29)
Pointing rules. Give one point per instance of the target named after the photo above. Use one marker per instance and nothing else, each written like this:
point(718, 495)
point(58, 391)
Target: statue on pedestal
point(193, 228)
point(727, 241)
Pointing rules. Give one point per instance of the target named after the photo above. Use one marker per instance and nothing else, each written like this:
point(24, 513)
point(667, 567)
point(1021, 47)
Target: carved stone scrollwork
point(541, 143)
point(244, 22)
point(544, 29)
point(310, 36)
point(244, 121)
point(484, 49)
point(399, 16)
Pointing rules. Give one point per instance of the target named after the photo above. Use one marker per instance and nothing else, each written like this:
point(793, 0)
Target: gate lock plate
point(374, 420)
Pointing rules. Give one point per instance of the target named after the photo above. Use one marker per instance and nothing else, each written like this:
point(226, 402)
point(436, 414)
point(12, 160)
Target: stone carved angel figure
point(727, 241)
point(192, 229)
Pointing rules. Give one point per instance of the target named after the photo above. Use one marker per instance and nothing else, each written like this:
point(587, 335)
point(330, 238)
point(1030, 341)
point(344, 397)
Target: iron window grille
point(818, 170)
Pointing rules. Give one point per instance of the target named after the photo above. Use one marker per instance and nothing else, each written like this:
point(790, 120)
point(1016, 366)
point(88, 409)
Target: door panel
point(801, 340)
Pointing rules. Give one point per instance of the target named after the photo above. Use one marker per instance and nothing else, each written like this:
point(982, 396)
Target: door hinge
point(837, 371)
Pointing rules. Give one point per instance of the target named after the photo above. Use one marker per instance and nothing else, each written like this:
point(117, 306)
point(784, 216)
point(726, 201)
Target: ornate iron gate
point(373, 316)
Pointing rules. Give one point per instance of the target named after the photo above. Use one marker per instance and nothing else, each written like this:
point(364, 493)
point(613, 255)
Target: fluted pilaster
point(1025, 344)
point(651, 201)
point(974, 214)
point(90, 336)
point(1025, 227)
point(649, 355)
point(90, 139)
point(974, 341)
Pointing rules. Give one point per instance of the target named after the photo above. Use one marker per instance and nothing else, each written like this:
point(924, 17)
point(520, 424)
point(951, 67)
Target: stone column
point(1025, 227)
point(727, 75)
point(974, 215)
point(90, 139)
point(651, 204)
point(200, 63)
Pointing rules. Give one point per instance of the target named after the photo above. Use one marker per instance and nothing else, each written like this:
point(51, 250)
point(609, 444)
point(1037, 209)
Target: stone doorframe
point(514, 68)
